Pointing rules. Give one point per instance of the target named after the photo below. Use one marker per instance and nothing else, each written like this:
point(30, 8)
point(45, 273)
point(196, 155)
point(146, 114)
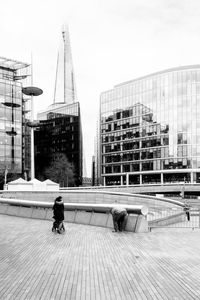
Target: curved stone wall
point(157, 207)
point(88, 214)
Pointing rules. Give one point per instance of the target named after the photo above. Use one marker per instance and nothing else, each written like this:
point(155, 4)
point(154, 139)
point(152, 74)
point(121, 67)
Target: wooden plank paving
point(93, 263)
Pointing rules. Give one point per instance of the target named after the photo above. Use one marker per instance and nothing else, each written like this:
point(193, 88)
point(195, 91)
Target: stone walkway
point(94, 263)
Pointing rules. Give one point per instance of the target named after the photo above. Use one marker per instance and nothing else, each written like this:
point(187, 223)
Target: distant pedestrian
point(187, 210)
point(119, 215)
point(58, 215)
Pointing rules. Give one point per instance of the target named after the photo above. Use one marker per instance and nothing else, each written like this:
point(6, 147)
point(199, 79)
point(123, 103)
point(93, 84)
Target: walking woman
point(58, 215)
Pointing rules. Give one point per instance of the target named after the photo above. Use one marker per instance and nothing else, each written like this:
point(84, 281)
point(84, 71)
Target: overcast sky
point(112, 41)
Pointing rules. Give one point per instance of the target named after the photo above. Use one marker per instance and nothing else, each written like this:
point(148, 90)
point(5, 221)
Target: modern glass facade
point(12, 116)
point(59, 131)
point(150, 129)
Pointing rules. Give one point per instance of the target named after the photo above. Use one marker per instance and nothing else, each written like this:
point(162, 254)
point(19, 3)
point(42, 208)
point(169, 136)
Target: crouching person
point(120, 217)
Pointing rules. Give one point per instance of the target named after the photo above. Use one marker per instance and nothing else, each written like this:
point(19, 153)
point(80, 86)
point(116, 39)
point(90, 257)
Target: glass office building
point(13, 143)
point(150, 129)
point(59, 131)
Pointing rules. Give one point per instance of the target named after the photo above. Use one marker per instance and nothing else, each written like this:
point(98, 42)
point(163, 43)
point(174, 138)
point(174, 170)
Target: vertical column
point(127, 178)
point(199, 218)
point(192, 177)
point(32, 143)
point(32, 129)
point(121, 177)
point(140, 179)
point(161, 178)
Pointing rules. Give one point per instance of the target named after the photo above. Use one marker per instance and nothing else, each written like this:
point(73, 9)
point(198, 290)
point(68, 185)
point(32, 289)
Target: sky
point(112, 41)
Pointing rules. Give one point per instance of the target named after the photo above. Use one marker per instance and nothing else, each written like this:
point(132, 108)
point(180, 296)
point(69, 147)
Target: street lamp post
point(32, 91)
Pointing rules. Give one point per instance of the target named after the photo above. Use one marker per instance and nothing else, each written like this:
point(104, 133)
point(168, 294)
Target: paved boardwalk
point(94, 263)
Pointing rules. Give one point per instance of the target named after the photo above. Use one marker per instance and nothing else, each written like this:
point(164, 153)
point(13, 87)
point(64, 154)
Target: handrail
point(119, 194)
point(135, 209)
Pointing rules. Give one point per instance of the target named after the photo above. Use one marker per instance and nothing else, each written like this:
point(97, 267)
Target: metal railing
point(159, 212)
point(173, 217)
point(89, 207)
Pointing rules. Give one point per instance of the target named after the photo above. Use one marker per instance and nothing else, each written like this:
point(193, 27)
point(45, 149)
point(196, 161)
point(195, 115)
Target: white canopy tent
point(51, 185)
point(33, 185)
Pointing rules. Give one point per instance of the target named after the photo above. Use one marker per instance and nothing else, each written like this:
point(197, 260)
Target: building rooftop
point(94, 263)
point(12, 64)
point(181, 68)
point(59, 107)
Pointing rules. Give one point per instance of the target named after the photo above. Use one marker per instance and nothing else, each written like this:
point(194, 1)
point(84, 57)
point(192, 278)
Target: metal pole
point(32, 144)
point(5, 176)
point(32, 129)
point(12, 138)
point(199, 217)
point(32, 91)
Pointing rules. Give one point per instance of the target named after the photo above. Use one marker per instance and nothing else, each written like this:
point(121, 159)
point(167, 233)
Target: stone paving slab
point(94, 263)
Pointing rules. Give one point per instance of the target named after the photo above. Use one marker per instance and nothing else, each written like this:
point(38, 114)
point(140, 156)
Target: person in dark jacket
point(58, 214)
point(119, 215)
point(187, 210)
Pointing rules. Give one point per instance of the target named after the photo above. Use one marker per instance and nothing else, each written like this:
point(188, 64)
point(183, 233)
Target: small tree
point(61, 170)
point(8, 174)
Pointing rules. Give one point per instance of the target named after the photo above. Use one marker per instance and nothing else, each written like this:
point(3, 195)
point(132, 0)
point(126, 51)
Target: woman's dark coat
point(58, 209)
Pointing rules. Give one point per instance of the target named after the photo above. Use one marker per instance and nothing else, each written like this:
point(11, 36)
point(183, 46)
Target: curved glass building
point(150, 129)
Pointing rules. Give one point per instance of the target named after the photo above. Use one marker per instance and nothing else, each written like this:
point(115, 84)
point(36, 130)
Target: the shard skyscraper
point(60, 130)
point(65, 90)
